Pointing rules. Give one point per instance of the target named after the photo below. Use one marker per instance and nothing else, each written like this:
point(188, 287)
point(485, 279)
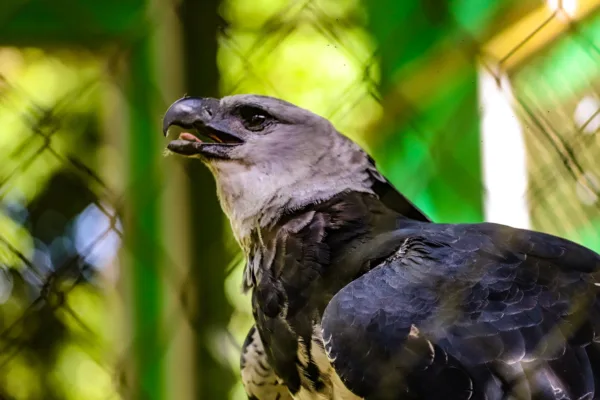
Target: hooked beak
point(201, 136)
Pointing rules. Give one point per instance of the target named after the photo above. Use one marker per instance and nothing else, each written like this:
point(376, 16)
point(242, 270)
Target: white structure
point(503, 153)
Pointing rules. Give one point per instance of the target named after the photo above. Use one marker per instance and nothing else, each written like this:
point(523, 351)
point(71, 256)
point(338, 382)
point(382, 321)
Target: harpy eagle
point(357, 295)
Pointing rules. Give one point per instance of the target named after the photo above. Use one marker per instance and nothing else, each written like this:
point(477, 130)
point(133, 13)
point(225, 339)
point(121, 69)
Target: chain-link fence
point(60, 226)
point(78, 322)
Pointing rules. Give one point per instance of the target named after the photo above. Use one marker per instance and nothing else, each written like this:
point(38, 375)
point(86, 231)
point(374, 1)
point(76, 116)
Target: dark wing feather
point(484, 309)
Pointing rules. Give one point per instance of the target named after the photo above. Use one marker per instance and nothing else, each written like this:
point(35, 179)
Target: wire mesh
point(60, 227)
point(555, 102)
point(62, 193)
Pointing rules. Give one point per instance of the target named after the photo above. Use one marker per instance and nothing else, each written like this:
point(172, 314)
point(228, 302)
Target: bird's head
point(268, 156)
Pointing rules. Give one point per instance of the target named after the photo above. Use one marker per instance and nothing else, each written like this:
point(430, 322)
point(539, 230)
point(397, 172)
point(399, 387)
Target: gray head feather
point(293, 159)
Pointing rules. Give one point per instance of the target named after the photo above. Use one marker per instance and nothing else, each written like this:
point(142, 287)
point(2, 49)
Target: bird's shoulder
point(478, 245)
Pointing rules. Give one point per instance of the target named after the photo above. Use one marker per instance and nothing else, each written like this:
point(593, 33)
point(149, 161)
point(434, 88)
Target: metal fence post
point(144, 227)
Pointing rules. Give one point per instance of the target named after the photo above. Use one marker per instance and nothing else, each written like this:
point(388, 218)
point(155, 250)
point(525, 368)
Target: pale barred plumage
point(258, 377)
point(262, 383)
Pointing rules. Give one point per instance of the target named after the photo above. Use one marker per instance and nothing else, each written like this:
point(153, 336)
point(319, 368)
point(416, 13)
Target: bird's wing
point(258, 378)
point(470, 311)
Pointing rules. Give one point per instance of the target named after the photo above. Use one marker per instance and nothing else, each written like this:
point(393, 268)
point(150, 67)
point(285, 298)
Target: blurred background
point(119, 278)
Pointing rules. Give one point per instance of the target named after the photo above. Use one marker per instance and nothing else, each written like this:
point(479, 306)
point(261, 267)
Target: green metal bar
point(144, 230)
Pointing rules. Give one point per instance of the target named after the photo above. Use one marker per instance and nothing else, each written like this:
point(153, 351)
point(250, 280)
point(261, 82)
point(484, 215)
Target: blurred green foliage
point(36, 90)
point(563, 148)
point(54, 336)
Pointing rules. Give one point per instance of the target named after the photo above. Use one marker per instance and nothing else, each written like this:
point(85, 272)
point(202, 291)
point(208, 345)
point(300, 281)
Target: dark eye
point(254, 119)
